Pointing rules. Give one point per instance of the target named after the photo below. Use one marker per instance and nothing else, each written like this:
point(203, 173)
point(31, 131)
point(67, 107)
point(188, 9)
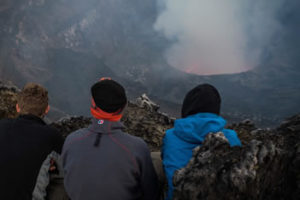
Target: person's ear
point(47, 109)
point(18, 108)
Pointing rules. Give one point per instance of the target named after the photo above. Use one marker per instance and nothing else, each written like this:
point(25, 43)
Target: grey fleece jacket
point(43, 179)
point(102, 162)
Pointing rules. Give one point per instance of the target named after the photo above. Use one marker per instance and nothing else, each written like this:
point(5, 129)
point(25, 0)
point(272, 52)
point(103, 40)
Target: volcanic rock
point(267, 166)
point(145, 102)
point(8, 100)
point(147, 123)
point(68, 125)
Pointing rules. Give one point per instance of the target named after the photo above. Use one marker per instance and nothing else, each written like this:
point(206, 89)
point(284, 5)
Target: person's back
point(200, 116)
point(25, 142)
point(103, 162)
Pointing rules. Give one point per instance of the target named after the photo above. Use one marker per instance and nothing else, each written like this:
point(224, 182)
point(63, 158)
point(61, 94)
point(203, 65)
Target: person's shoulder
point(169, 134)
point(51, 131)
point(76, 134)
point(138, 146)
point(6, 121)
point(169, 131)
point(136, 141)
point(134, 138)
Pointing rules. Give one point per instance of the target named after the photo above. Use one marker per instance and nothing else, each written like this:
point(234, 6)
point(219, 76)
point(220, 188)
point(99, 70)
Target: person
point(102, 161)
point(200, 116)
point(25, 143)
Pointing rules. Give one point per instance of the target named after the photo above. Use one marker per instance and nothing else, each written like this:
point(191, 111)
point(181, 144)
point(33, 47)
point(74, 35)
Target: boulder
point(267, 166)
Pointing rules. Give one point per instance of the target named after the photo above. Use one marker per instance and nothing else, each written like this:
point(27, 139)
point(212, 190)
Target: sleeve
point(58, 142)
point(232, 137)
point(169, 160)
point(149, 180)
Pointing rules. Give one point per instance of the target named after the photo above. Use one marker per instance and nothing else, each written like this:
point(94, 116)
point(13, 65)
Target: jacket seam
point(79, 138)
point(125, 149)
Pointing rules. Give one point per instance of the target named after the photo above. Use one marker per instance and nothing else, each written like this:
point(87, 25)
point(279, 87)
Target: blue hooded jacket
point(188, 133)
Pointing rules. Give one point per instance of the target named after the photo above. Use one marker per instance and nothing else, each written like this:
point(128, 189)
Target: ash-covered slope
point(68, 44)
point(57, 42)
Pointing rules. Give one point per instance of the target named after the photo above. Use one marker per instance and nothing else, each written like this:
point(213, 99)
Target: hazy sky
point(217, 36)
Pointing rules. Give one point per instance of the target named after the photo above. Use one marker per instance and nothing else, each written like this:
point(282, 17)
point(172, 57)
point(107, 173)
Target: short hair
point(33, 99)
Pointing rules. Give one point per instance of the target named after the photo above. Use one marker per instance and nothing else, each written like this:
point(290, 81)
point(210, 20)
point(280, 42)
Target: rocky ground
point(267, 166)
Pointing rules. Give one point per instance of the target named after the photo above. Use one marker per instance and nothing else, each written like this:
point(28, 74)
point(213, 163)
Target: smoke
point(216, 36)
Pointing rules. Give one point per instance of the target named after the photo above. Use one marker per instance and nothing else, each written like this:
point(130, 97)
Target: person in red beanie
point(103, 162)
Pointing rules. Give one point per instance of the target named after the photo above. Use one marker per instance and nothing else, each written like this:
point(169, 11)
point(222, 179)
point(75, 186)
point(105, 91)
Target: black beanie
point(109, 95)
point(203, 98)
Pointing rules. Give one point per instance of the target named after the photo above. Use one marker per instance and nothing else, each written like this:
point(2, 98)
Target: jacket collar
point(32, 118)
point(105, 126)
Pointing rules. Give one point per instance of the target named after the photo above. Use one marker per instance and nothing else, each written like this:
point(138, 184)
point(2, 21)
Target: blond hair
point(33, 99)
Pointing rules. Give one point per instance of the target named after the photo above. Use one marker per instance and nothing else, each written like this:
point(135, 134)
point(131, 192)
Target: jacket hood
point(194, 128)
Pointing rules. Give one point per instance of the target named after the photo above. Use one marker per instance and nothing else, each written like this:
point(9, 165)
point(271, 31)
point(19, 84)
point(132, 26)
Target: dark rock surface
point(143, 120)
point(266, 167)
point(67, 125)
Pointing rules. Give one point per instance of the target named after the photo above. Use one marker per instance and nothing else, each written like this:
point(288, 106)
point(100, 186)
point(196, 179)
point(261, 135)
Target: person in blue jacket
point(200, 116)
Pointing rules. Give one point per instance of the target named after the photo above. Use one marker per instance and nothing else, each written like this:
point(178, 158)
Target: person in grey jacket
point(103, 162)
